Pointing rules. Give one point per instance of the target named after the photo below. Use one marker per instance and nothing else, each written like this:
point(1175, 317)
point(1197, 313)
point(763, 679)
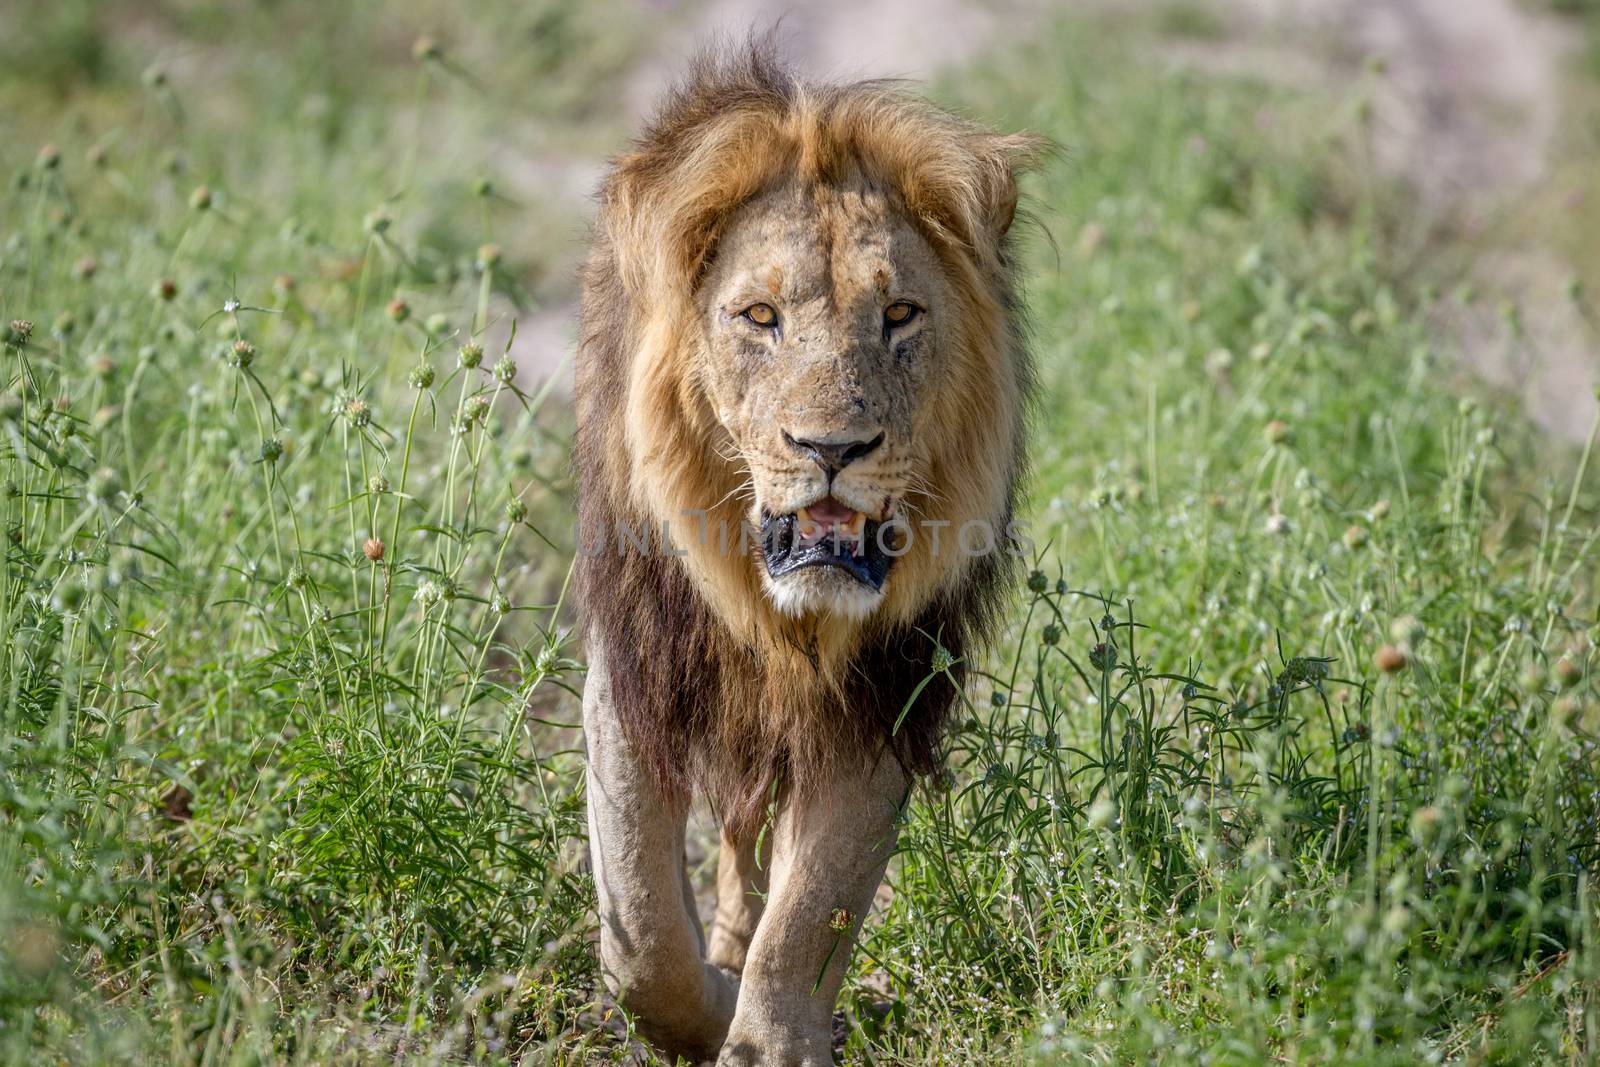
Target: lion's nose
point(833, 456)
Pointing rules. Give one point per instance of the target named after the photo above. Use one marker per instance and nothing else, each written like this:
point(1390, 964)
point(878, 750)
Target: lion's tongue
point(829, 517)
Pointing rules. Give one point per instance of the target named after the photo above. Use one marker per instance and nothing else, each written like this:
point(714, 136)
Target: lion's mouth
point(826, 534)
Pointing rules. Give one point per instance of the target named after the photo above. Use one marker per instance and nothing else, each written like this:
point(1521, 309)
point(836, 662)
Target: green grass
point(263, 799)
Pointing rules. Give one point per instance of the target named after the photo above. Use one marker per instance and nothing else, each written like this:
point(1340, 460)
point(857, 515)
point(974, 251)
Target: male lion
point(800, 364)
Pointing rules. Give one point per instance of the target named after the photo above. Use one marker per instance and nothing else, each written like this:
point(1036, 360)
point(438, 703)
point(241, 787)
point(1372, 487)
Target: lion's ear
point(1004, 157)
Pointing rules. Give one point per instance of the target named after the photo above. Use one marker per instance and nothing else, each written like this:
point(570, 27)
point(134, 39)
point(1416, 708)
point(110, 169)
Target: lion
point(801, 358)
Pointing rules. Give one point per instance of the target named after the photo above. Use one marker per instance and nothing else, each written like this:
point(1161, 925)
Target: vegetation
point(1288, 751)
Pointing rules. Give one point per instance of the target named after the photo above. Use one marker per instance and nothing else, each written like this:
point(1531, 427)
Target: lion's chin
point(823, 591)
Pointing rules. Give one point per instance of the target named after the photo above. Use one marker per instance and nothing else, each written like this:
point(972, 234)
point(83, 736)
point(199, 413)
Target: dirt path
point(1468, 111)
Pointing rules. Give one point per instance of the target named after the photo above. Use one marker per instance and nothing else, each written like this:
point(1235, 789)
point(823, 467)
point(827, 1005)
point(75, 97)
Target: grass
point(266, 798)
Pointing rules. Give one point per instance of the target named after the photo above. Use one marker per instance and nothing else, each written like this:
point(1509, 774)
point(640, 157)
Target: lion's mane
point(712, 686)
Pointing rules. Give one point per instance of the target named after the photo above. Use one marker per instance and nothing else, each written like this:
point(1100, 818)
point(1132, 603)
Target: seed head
point(298, 578)
point(483, 188)
point(271, 450)
point(85, 268)
point(65, 323)
point(476, 409)
point(506, 370)
point(377, 485)
point(1407, 631)
point(49, 157)
point(201, 198)
point(500, 603)
point(358, 411)
point(1051, 634)
point(241, 354)
point(373, 549)
point(377, 220)
point(421, 376)
point(942, 659)
point(1355, 537)
point(470, 355)
point(1390, 659)
point(103, 485)
point(101, 366)
point(516, 510)
point(435, 591)
point(1568, 673)
point(1379, 511)
point(284, 284)
point(1103, 656)
point(1426, 822)
point(426, 49)
point(1277, 525)
point(1102, 813)
point(18, 332)
point(398, 309)
point(165, 290)
point(488, 256)
point(1277, 432)
point(155, 76)
point(1037, 583)
point(840, 920)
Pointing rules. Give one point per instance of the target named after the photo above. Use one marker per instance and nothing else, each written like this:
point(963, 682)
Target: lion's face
point(822, 318)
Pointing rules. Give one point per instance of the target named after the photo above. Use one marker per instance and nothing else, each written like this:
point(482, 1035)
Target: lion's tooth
point(808, 527)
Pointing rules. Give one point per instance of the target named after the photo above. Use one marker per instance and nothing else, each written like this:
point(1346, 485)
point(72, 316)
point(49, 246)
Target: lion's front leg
point(651, 944)
point(741, 895)
point(829, 853)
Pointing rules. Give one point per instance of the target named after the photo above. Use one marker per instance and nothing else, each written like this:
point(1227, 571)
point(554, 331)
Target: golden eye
point(762, 315)
point(900, 313)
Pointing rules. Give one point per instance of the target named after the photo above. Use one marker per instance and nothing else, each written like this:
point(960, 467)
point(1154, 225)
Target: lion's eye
point(762, 315)
point(899, 313)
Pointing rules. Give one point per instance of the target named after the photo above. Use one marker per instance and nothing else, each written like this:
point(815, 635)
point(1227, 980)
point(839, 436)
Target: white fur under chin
point(823, 592)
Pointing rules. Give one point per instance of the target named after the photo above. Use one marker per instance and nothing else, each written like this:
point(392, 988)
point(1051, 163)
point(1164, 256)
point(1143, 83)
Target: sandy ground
point(850, 38)
point(1467, 112)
